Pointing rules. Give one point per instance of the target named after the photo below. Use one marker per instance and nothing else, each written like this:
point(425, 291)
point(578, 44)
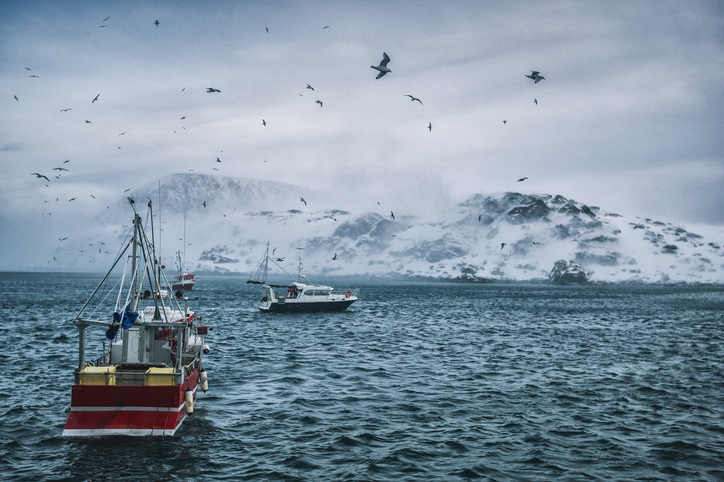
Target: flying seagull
point(319, 102)
point(267, 30)
point(106, 18)
point(28, 68)
point(429, 126)
point(88, 122)
point(383, 66)
point(96, 98)
point(535, 101)
point(16, 97)
point(310, 87)
point(39, 176)
point(335, 256)
point(156, 23)
point(33, 76)
point(63, 239)
point(326, 26)
point(66, 110)
point(480, 217)
point(302, 199)
point(534, 74)
point(505, 122)
point(263, 122)
point(204, 203)
point(413, 99)
point(522, 179)
point(71, 199)
point(218, 160)
point(211, 89)
point(502, 245)
point(392, 215)
point(59, 169)
point(122, 134)
point(66, 162)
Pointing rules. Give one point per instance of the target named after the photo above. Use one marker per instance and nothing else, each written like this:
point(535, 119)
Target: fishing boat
point(298, 295)
point(182, 281)
point(145, 380)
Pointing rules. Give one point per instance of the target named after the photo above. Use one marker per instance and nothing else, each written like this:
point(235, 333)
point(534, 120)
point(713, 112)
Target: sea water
point(416, 381)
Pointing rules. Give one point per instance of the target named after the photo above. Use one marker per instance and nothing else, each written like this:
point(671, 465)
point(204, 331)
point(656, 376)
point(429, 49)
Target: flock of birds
point(382, 69)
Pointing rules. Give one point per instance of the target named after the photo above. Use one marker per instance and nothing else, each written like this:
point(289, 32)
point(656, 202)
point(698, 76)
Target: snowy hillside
point(508, 236)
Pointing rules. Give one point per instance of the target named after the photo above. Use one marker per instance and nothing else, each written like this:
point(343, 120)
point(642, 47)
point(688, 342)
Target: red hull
point(128, 410)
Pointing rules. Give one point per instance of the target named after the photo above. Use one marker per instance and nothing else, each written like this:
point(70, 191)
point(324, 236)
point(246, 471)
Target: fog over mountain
point(505, 236)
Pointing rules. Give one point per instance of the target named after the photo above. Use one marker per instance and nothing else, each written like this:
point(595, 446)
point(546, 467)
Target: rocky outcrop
point(566, 271)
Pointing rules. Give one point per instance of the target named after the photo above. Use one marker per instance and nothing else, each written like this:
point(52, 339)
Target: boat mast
point(266, 262)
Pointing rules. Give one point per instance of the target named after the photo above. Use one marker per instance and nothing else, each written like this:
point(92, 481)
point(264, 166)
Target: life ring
point(348, 294)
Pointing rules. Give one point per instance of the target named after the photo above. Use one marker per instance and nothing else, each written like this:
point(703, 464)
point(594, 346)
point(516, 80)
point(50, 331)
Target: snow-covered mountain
point(508, 236)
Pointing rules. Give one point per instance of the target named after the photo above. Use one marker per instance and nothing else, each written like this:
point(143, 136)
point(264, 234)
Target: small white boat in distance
point(299, 296)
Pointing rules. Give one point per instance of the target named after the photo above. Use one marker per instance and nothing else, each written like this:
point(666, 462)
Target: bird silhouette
point(326, 26)
point(263, 122)
point(335, 256)
point(522, 179)
point(535, 101)
point(534, 74)
point(480, 217)
point(502, 245)
point(122, 134)
point(505, 122)
point(66, 110)
point(106, 18)
point(302, 199)
point(156, 23)
point(392, 215)
point(310, 87)
point(95, 98)
point(204, 204)
point(218, 160)
point(63, 239)
point(88, 122)
point(320, 103)
point(39, 176)
point(429, 126)
point(413, 99)
point(382, 68)
point(28, 68)
point(71, 199)
point(16, 97)
point(211, 89)
point(33, 76)
point(59, 169)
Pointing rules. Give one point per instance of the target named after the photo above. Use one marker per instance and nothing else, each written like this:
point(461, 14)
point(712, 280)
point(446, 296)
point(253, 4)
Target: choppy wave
point(414, 382)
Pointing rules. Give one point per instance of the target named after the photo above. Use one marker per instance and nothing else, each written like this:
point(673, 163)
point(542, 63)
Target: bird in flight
point(429, 126)
point(319, 102)
point(310, 87)
point(335, 256)
point(392, 215)
point(535, 75)
point(211, 89)
point(33, 76)
point(326, 26)
point(88, 122)
point(63, 239)
point(480, 217)
point(126, 190)
point(28, 68)
point(413, 99)
point(204, 203)
point(218, 160)
point(267, 30)
point(302, 199)
point(96, 98)
point(522, 179)
point(71, 199)
point(382, 68)
point(502, 245)
point(122, 134)
point(16, 97)
point(263, 122)
point(59, 169)
point(66, 162)
point(156, 23)
point(535, 101)
point(66, 110)
point(106, 18)
point(505, 122)
point(39, 176)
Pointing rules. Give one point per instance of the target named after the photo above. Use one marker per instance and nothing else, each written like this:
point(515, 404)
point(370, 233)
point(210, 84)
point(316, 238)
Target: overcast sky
point(628, 118)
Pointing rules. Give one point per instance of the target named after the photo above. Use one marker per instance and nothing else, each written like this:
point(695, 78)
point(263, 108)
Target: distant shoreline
point(397, 278)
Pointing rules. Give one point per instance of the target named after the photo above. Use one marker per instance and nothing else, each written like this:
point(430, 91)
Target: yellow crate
point(160, 376)
point(98, 376)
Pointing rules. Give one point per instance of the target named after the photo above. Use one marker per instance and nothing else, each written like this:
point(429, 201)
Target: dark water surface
point(414, 382)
